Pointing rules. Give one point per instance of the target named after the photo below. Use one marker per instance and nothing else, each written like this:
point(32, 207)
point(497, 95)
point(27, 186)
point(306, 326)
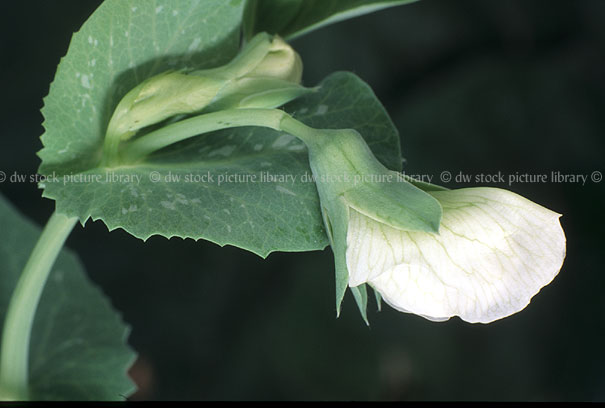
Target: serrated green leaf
point(78, 346)
point(293, 18)
point(123, 43)
point(178, 191)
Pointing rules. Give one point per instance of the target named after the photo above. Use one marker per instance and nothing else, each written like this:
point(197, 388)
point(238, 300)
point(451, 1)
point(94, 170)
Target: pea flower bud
point(266, 74)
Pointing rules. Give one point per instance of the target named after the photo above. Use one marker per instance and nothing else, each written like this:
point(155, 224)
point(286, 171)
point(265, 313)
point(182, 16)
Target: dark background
point(474, 86)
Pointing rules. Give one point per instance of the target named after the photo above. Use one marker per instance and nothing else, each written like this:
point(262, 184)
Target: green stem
point(110, 149)
point(185, 129)
point(14, 351)
point(271, 118)
point(296, 128)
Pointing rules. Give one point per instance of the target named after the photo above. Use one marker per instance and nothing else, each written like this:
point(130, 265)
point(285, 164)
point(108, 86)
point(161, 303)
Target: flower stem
point(296, 128)
point(271, 118)
point(14, 351)
point(185, 129)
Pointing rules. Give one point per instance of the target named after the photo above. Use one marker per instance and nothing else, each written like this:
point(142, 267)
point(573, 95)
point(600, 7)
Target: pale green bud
point(160, 97)
point(280, 62)
point(266, 74)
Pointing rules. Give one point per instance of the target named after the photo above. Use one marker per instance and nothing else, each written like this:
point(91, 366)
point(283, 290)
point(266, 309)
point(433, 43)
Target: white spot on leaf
point(297, 147)
point(168, 205)
point(282, 141)
point(196, 43)
point(321, 109)
point(285, 190)
point(181, 199)
point(85, 82)
point(223, 151)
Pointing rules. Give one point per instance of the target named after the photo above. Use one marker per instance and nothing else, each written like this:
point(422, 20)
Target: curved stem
point(271, 118)
point(296, 128)
point(185, 129)
point(14, 352)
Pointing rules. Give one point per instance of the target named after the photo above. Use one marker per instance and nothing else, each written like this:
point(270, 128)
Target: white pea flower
point(477, 253)
point(494, 251)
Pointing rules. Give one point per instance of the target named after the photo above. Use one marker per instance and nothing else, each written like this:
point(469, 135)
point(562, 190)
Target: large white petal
point(494, 251)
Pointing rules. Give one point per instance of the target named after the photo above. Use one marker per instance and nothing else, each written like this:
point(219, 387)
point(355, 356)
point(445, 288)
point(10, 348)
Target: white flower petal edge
point(494, 252)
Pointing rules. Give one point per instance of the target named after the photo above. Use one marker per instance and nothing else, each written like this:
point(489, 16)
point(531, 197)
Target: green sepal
point(336, 215)
point(340, 159)
point(251, 93)
point(366, 185)
point(276, 97)
point(378, 299)
point(424, 186)
point(360, 293)
point(397, 203)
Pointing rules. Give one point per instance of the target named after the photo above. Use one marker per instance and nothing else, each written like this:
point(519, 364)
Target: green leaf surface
point(248, 187)
point(123, 43)
point(292, 18)
point(78, 345)
point(179, 191)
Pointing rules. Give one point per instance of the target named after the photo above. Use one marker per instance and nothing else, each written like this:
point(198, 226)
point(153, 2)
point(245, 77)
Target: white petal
point(494, 252)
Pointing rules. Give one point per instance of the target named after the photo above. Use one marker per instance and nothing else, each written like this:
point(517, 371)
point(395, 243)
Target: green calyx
point(346, 169)
point(348, 176)
point(266, 74)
